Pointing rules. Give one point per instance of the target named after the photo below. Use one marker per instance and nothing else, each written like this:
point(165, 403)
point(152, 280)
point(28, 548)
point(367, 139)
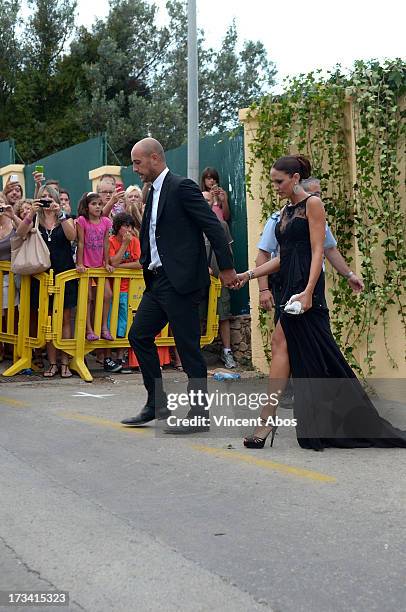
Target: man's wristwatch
point(349, 274)
point(250, 274)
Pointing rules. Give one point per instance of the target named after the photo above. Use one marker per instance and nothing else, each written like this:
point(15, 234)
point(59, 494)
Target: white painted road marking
point(83, 394)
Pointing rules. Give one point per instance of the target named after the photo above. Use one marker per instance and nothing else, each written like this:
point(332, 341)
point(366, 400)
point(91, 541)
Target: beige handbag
point(30, 255)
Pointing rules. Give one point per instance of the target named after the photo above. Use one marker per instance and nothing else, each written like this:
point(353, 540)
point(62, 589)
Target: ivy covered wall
point(352, 127)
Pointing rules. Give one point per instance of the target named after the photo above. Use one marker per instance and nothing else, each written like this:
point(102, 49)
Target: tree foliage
point(126, 75)
point(10, 58)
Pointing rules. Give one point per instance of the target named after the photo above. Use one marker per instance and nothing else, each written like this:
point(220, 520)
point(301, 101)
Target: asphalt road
point(126, 520)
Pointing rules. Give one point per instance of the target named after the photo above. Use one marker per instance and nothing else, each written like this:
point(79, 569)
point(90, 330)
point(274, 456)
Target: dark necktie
point(148, 205)
point(144, 233)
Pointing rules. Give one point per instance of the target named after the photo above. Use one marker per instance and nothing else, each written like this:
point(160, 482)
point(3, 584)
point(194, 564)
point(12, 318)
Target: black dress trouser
point(161, 304)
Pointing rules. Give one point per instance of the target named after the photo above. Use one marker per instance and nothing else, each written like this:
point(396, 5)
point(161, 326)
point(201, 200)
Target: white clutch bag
point(293, 306)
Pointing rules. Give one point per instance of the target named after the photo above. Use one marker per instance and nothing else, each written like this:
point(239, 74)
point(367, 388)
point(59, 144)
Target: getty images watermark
point(220, 400)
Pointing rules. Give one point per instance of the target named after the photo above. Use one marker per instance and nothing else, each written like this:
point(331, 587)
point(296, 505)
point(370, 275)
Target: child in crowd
point(93, 252)
point(124, 252)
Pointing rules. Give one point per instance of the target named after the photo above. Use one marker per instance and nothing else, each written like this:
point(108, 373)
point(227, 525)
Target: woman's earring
point(296, 188)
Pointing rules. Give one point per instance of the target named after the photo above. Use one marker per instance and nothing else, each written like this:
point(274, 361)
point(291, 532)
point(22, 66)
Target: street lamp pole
point(192, 96)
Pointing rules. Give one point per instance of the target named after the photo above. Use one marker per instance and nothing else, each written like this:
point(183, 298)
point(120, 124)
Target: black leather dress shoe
point(147, 414)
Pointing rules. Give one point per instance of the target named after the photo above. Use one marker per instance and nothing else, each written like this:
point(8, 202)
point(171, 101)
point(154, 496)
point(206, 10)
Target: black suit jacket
point(183, 216)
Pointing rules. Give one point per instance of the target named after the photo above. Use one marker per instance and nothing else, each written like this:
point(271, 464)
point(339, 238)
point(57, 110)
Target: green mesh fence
point(71, 168)
point(7, 152)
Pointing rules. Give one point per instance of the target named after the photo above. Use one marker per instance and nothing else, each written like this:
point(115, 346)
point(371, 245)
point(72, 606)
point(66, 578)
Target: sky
point(300, 35)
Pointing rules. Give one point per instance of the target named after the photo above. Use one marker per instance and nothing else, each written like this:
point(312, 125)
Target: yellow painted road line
point(92, 420)
point(12, 402)
point(209, 450)
point(264, 463)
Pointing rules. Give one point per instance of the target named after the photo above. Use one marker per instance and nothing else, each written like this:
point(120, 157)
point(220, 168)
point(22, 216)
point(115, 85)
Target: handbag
point(30, 255)
point(293, 307)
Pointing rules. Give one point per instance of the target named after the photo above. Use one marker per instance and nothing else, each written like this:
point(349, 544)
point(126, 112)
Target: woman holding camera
point(58, 231)
point(214, 194)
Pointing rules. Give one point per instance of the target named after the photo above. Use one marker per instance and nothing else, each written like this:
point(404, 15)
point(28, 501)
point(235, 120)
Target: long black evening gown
point(331, 407)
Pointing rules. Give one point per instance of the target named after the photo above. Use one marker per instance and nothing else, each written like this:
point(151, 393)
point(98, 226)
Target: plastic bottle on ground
point(226, 376)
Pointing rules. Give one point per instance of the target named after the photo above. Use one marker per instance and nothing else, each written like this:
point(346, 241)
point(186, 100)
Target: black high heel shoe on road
point(258, 442)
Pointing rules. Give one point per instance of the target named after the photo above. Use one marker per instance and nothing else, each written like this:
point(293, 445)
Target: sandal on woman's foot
point(91, 336)
point(106, 335)
point(259, 442)
point(65, 371)
point(52, 371)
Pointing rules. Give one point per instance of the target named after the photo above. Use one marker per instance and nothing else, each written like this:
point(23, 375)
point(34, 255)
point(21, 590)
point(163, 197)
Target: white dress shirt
point(157, 185)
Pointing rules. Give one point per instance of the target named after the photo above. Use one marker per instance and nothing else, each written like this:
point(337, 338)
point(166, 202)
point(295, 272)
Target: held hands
point(243, 278)
point(109, 267)
point(229, 278)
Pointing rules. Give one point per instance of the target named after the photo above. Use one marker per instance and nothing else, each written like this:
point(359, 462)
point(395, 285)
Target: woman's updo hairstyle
point(290, 164)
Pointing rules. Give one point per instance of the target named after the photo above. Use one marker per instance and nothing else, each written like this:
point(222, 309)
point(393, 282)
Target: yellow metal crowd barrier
point(23, 341)
point(9, 289)
point(50, 327)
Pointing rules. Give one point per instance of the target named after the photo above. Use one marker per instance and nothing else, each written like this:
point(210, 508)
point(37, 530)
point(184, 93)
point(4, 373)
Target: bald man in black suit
point(174, 262)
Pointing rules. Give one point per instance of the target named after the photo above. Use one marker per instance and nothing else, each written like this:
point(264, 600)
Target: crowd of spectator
point(102, 234)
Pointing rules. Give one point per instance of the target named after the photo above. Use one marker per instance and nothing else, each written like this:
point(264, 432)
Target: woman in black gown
point(58, 231)
point(331, 407)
